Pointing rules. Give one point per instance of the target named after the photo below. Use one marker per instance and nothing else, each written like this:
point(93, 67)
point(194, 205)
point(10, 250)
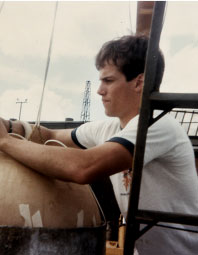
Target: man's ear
point(139, 83)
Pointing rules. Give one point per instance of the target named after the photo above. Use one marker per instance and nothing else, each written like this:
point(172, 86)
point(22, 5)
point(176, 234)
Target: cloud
point(25, 28)
point(179, 43)
point(55, 107)
point(17, 77)
point(80, 28)
point(59, 102)
point(181, 71)
point(181, 18)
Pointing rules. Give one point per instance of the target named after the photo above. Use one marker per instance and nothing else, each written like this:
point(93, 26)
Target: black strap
point(10, 127)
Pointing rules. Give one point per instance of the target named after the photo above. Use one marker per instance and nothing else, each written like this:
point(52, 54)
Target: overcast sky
point(80, 30)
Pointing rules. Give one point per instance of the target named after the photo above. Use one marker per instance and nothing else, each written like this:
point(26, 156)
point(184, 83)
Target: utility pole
point(85, 113)
point(21, 104)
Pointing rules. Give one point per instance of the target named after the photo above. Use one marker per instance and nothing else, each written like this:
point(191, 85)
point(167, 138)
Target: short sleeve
point(127, 136)
point(83, 136)
point(161, 137)
point(94, 133)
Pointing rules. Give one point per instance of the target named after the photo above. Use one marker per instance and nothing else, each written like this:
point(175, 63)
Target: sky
point(80, 30)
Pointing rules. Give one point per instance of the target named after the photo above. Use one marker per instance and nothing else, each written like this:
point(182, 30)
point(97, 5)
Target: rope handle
point(55, 141)
point(48, 141)
point(17, 135)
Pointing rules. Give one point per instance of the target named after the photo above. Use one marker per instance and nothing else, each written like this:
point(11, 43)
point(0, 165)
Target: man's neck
point(124, 121)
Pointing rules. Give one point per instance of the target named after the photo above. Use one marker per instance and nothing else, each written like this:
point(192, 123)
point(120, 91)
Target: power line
point(47, 66)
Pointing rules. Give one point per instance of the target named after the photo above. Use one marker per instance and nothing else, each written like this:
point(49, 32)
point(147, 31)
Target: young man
point(105, 148)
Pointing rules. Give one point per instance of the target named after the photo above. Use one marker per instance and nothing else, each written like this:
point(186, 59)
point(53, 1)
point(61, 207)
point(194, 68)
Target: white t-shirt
point(169, 179)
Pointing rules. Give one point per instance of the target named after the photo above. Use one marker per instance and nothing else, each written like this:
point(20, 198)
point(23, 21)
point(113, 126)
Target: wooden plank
point(144, 17)
point(113, 249)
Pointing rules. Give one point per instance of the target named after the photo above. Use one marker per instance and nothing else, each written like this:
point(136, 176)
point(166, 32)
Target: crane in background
point(85, 113)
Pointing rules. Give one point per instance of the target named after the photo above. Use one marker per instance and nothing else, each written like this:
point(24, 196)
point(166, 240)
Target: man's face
point(116, 92)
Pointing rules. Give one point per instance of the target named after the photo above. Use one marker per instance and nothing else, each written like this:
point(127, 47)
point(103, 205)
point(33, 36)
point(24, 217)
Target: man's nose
point(101, 90)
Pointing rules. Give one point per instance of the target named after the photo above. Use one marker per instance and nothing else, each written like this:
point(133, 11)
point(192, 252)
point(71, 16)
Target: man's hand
point(3, 130)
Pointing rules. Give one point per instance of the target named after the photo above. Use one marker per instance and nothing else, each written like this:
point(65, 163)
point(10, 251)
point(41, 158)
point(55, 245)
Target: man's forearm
point(52, 161)
point(69, 164)
point(38, 134)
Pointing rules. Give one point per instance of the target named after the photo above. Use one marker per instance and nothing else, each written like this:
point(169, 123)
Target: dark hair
point(128, 53)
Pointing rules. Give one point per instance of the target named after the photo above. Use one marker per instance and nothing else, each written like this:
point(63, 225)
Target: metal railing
point(188, 119)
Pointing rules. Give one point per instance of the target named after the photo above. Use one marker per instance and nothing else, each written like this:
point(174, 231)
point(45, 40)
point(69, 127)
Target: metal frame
point(150, 102)
point(187, 124)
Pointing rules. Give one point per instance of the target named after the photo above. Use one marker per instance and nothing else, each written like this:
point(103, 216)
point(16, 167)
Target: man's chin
point(109, 114)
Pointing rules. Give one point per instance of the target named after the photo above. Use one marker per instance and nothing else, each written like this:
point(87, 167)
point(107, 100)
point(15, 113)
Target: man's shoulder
point(100, 127)
point(111, 122)
point(169, 128)
point(166, 121)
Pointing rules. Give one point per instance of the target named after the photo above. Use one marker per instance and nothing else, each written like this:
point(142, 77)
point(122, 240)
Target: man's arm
point(68, 164)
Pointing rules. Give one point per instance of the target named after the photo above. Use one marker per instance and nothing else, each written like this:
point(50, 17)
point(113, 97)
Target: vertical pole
point(20, 110)
point(21, 103)
point(132, 228)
